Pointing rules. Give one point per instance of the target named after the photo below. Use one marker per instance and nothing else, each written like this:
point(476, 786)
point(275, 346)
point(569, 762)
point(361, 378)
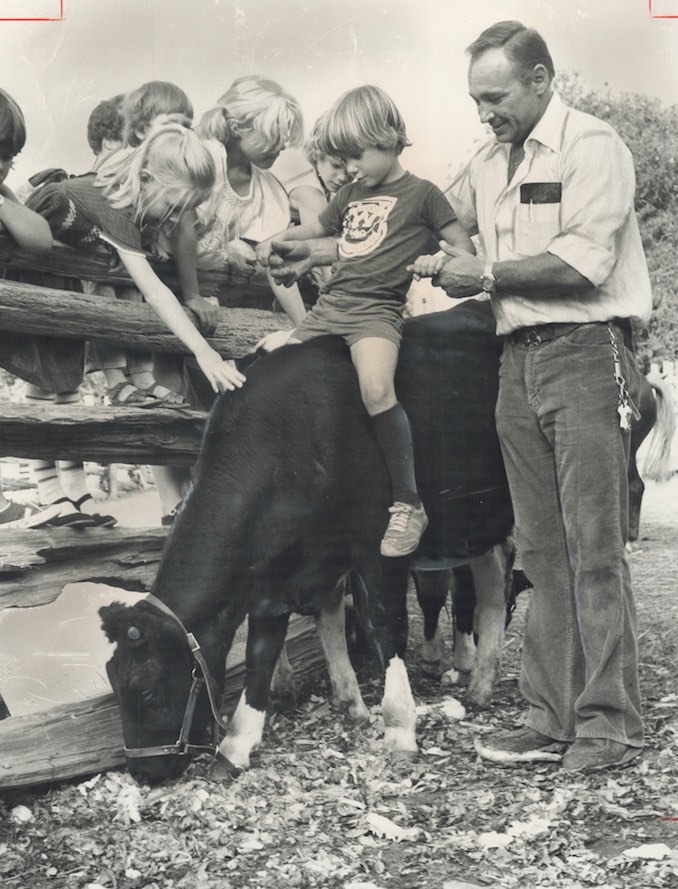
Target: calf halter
point(201, 677)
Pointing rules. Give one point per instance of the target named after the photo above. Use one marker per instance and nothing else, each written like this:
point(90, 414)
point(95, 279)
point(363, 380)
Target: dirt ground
point(323, 806)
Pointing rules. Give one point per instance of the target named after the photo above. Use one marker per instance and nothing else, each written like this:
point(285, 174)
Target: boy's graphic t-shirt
point(382, 231)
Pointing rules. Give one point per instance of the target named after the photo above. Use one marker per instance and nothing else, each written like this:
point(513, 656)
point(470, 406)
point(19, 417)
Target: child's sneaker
point(405, 527)
point(18, 515)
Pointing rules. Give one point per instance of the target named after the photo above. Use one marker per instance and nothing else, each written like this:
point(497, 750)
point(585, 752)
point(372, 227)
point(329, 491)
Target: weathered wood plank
point(158, 436)
point(36, 565)
point(85, 738)
point(27, 308)
point(99, 264)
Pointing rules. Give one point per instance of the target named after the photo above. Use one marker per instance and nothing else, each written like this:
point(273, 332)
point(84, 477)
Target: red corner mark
point(655, 6)
point(55, 18)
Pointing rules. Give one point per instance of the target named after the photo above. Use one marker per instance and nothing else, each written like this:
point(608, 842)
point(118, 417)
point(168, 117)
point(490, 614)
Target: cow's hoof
point(397, 756)
point(222, 769)
point(432, 669)
point(455, 677)
point(480, 697)
point(282, 703)
point(358, 714)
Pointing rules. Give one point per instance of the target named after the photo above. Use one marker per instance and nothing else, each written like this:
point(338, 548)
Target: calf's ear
point(115, 620)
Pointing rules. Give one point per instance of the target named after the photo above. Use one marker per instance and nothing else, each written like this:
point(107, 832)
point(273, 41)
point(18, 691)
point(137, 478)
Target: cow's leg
point(465, 604)
point(265, 639)
point(385, 592)
point(283, 694)
point(331, 624)
point(432, 588)
point(491, 573)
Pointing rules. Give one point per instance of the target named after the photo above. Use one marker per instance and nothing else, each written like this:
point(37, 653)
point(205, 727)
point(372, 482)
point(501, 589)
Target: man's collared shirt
point(572, 196)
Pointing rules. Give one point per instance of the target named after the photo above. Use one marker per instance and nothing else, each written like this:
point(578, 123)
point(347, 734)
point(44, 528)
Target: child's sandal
point(165, 397)
point(129, 395)
point(100, 521)
point(69, 516)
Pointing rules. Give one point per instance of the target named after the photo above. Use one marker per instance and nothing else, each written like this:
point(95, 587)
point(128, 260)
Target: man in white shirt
point(551, 198)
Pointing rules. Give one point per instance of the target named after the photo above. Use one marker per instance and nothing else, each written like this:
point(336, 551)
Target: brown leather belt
point(544, 333)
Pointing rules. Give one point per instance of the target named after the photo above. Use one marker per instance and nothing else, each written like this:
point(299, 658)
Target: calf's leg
point(492, 574)
point(265, 639)
point(331, 625)
point(432, 588)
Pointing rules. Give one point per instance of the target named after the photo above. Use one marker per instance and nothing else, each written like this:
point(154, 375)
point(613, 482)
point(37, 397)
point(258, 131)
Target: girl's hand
point(240, 266)
point(203, 313)
point(223, 376)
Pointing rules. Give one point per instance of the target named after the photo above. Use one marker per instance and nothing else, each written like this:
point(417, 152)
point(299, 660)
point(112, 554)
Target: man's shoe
point(405, 527)
point(596, 754)
point(519, 746)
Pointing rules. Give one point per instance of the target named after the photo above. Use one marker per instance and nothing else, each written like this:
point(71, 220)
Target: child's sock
point(73, 481)
point(394, 437)
point(47, 480)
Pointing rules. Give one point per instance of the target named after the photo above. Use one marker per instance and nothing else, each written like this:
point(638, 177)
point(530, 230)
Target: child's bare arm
point(220, 373)
point(30, 230)
point(429, 265)
point(184, 244)
point(308, 232)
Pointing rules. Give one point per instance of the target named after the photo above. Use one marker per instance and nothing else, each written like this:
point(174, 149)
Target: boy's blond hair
point(312, 147)
point(364, 117)
point(255, 102)
point(149, 100)
point(172, 160)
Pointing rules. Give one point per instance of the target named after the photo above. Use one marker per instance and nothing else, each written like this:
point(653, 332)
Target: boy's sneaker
point(405, 527)
point(519, 746)
point(19, 515)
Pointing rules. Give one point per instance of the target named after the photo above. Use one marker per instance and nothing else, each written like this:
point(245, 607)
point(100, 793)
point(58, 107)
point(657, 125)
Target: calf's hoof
point(455, 677)
point(282, 702)
point(480, 695)
point(222, 769)
point(432, 669)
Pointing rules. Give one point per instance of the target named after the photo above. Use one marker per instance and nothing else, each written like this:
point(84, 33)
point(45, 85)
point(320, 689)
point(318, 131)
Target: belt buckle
point(532, 338)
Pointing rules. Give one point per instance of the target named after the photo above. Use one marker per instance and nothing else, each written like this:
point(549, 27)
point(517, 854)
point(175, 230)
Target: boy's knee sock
point(394, 437)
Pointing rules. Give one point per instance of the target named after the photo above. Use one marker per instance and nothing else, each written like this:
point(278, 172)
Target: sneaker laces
point(400, 516)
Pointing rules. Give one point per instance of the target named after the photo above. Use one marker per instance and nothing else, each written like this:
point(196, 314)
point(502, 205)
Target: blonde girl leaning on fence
point(251, 124)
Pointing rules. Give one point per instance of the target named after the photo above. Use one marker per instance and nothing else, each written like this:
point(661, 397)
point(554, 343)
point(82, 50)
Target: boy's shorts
point(353, 318)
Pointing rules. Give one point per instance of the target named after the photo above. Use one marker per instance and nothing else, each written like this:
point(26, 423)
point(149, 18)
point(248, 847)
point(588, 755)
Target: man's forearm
point(544, 273)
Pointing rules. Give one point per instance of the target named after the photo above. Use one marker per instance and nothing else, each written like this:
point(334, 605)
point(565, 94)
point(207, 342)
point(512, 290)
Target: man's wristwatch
point(487, 280)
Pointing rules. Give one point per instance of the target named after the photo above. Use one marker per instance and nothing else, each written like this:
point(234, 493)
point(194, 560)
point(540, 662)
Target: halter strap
point(201, 679)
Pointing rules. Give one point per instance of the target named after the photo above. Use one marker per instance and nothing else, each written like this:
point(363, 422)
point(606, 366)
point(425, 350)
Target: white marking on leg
point(245, 730)
point(432, 652)
point(464, 651)
point(490, 577)
point(331, 625)
point(400, 718)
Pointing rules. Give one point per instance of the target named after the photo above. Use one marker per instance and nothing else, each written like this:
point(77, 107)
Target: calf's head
point(151, 673)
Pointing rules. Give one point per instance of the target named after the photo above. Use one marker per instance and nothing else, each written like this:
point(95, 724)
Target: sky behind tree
point(316, 49)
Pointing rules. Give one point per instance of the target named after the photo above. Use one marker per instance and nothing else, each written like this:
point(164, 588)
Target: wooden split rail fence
point(35, 565)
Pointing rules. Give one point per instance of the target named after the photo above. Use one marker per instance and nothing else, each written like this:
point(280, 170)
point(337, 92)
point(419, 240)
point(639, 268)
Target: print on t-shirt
point(365, 225)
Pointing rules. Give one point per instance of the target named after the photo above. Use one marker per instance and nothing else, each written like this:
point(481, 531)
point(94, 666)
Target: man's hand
point(458, 272)
point(203, 313)
point(288, 261)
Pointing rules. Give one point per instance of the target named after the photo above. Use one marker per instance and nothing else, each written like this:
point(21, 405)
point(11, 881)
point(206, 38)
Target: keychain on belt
point(626, 409)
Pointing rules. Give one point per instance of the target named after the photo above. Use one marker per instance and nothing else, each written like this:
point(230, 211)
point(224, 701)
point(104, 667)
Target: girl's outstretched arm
point(184, 246)
point(221, 374)
point(30, 230)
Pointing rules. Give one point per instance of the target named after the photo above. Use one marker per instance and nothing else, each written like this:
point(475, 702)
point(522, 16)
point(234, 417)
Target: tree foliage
point(650, 129)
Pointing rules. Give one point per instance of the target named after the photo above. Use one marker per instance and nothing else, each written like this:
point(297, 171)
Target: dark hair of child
point(149, 100)
point(12, 127)
point(105, 122)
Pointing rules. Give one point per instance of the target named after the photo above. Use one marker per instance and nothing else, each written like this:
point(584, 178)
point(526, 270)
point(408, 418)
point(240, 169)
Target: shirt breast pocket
point(538, 217)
